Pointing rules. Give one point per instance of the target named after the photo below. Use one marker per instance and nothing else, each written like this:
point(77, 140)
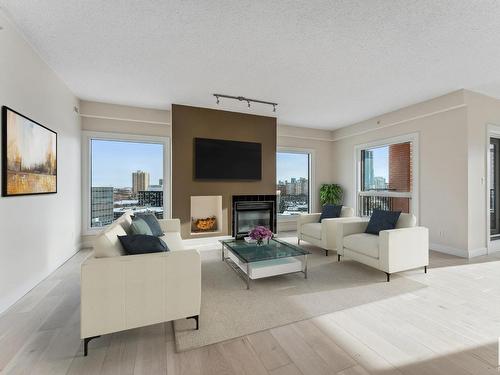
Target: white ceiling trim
point(378, 127)
point(125, 119)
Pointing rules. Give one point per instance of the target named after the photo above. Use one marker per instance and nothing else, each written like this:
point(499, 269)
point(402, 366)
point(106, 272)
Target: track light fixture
point(243, 99)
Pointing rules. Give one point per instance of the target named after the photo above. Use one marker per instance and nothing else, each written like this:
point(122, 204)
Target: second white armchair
point(395, 250)
point(324, 233)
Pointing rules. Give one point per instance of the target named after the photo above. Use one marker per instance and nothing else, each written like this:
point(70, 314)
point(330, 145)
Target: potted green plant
point(331, 194)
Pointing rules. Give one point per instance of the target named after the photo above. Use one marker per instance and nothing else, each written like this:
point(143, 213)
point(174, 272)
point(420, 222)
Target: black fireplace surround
point(250, 211)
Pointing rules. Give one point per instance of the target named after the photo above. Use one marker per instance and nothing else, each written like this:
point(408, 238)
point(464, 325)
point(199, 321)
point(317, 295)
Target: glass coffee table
point(251, 261)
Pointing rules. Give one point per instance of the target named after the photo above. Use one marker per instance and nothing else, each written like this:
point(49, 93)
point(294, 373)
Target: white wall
point(38, 233)
point(443, 176)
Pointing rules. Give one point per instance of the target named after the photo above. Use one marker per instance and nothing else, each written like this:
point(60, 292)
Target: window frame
point(414, 195)
point(297, 150)
point(87, 137)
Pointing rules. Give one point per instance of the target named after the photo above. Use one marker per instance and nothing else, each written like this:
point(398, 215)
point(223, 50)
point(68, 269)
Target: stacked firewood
point(204, 225)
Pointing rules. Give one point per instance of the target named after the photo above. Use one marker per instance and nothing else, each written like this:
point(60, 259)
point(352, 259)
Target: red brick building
point(400, 174)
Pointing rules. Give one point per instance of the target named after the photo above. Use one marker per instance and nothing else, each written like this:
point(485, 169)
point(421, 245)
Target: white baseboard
point(86, 245)
point(493, 246)
point(478, 252)
point(286, 226)
point(204, 243)
point(463, 253)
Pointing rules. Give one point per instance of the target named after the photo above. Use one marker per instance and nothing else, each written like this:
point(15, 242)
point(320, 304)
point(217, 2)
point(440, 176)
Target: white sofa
point(322, 234)
point(120, 292)
point(400, 249)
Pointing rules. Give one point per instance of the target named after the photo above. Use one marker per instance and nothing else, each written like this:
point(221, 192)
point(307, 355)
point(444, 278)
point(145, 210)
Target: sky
point(381, 162)
point(291, 165)
point(113, 162)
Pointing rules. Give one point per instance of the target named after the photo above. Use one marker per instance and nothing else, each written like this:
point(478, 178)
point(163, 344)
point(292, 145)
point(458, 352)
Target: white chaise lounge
point(322, 234)
point(120, 292)
point(400, 249)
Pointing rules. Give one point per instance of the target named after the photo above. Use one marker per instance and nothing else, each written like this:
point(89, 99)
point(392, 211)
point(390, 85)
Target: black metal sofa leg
point(388, 276)
point(86, 344)
point(338, 257)
point(326, 252)
point(197, 319)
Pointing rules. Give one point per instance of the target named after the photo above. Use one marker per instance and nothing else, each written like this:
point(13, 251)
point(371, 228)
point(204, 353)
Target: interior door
point(494, 188)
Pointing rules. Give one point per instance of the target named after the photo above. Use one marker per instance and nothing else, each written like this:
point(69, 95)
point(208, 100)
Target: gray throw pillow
point(140, 226)
point(152, 222)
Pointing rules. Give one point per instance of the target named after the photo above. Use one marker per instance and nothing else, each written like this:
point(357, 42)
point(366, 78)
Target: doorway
point(494, 188)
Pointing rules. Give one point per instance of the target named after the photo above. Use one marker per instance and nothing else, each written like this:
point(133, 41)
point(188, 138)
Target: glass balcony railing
point(383, 200)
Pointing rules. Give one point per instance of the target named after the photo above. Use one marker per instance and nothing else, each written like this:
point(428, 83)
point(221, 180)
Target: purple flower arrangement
point(260, 234)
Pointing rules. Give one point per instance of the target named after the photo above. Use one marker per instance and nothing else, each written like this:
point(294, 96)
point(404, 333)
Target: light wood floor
point(449, 327)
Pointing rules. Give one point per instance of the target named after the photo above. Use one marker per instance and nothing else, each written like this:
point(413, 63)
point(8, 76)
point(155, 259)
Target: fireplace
point(250, 211)
point(206, 214)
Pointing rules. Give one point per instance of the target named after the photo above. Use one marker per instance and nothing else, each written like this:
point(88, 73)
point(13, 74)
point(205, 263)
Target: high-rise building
point(152, 198)
point(140, 181)
point(101, 206)
point(303, 186)
point(368, 170)
point(379, 183)
point(281, 187)
point(291, 187)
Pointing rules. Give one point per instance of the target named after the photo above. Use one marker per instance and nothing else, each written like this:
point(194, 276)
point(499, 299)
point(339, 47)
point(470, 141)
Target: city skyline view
point(113, 162)
point(291, 165)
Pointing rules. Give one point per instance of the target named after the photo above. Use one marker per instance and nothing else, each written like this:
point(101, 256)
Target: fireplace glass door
point(247, 220)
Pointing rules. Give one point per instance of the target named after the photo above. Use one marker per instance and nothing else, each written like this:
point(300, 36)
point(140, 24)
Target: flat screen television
point(217, 159)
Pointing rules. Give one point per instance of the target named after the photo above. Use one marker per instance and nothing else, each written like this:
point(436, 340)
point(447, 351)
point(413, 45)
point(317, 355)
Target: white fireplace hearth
point(206, 214)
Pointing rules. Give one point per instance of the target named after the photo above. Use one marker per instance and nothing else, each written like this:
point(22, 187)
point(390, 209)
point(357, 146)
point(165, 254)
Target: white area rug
point(229, 310)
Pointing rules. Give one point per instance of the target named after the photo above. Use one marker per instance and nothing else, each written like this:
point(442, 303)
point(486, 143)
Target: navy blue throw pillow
point(151, 221)
point(330, 211)
point(142, 244)
point(382, 220)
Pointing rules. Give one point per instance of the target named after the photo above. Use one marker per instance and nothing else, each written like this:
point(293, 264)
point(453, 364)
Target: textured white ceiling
point(327, 63)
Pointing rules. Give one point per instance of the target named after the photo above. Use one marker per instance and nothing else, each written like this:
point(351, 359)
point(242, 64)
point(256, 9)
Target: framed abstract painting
point(29, 156)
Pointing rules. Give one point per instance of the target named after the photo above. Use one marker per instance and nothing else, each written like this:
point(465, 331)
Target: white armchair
point(322, 234)
point(400, 249)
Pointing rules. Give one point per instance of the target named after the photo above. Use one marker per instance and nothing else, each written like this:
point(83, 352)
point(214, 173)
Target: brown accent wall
point(194, 122)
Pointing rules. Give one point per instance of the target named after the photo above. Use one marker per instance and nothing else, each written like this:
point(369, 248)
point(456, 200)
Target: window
point(386, 178)
point(293, 182)
point(125, 174)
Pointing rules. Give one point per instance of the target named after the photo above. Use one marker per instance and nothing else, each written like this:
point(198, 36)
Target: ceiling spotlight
point(217, 97)
point(274, 107)
point(248, 101)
